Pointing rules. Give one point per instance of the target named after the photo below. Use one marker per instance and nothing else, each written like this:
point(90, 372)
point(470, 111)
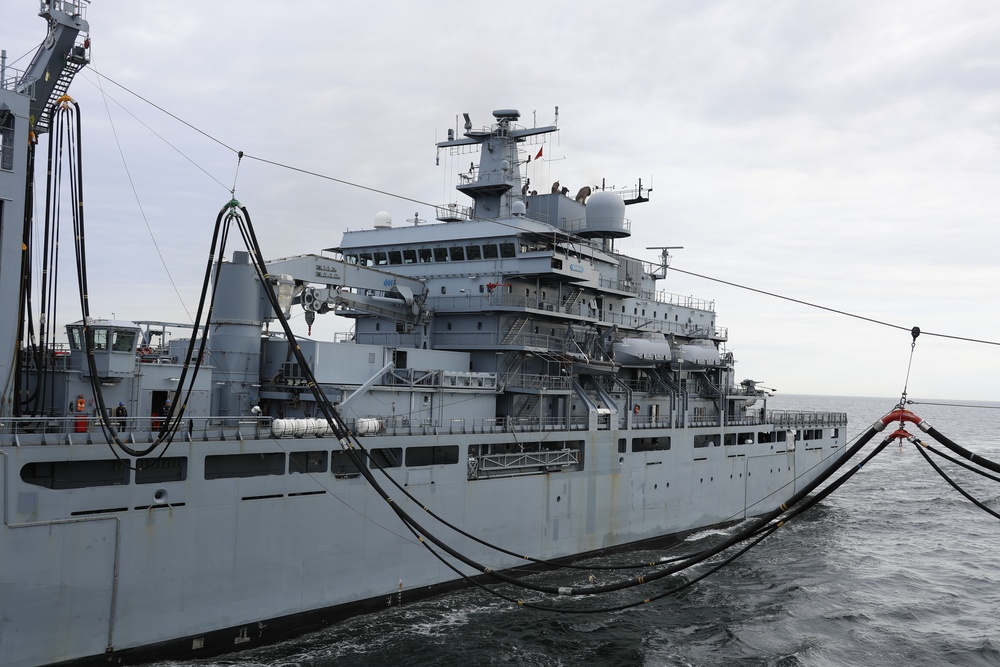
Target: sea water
point(895, 568)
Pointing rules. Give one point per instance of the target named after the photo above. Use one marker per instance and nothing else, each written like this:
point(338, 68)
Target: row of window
point(122, 340)
point(454, 253)
point(114, 472)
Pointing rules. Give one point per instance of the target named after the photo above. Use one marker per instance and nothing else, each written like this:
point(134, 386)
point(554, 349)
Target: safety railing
point(806, 418)
point(89, 429)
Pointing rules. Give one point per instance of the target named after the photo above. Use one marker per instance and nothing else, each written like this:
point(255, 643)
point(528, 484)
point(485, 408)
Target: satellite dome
point(383, 220)
point(605, 217)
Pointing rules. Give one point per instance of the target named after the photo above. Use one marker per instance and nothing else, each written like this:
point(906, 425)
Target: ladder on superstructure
point(73, 65)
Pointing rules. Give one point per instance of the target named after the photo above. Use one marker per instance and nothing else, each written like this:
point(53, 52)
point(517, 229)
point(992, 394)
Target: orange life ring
point(81, 404)
point(635, 410)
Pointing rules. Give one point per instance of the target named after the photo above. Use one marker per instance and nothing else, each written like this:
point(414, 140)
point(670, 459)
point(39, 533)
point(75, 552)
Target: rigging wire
point(106, 96)
point(67, 132)
point(955, 405)
point(359, 186)
point(234, 211)
point(162, 110)
point(138, 200)
point(53, 215)
point(915, 331)
point(831, 310)
point(759, 530)
point(172, 423)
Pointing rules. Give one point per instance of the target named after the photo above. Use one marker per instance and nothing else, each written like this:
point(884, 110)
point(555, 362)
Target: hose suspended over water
point(359, 457)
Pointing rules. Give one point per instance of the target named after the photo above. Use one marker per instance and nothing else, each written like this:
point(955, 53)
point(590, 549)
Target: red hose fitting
point(901, 415)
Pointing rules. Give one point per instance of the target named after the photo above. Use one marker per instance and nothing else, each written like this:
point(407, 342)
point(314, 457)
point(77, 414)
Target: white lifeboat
point(367, 426)
point(642, 352)
point(699, 354)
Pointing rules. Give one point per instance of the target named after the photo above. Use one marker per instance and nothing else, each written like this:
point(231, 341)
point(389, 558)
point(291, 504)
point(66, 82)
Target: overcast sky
point(841, 153)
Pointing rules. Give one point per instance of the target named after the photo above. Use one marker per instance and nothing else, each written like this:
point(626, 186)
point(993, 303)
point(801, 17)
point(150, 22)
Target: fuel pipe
point(906, 415)
point(755, 531)
point(902, 415)
point(357, 454)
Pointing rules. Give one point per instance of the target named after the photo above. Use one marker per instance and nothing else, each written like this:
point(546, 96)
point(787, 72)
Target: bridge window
point(490, 251)
point(7, 142)
point(425, 255)
point(381, 259)
point(507, 250)
point(100, 339)
point(440, 254)
point(473, 252)
point(124, 341)
point(395, 257)
point(457, 253)
point(75, 340)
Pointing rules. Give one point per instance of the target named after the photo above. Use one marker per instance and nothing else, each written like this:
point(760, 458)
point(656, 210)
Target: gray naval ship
point(508, 367)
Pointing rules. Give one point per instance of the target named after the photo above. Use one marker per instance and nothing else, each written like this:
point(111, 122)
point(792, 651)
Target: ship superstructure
point(508, 366)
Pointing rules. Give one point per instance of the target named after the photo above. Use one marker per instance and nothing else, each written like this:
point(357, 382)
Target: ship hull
point(134, 571)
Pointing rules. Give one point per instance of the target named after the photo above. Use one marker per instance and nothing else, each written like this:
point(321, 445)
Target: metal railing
point(85, 430)
point(521, 463)
point(88, 429)
point(806, 418)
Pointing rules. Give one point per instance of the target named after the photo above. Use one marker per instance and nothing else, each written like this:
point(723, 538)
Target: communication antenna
point(664, 258)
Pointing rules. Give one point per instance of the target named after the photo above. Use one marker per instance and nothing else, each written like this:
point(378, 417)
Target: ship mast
point(499, 167)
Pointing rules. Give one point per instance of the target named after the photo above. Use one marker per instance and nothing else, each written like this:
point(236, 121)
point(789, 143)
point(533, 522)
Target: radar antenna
point(664, 259)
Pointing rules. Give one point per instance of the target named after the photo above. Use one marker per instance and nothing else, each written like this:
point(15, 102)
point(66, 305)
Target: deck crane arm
point(324, 284)
point(58, 58)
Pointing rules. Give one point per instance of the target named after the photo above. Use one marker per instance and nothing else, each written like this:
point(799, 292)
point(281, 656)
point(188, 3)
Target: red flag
point(539, 152)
